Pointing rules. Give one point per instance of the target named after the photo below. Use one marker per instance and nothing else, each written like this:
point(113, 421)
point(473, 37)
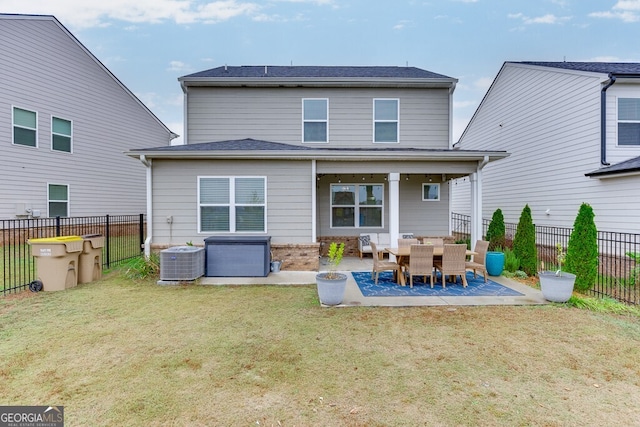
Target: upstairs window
point(232, 204)
point(58, 202)
point(385, 120)
point(25, 127)
point(356, 205)
point(629, 121)
point(315, 120)
point(60, 135)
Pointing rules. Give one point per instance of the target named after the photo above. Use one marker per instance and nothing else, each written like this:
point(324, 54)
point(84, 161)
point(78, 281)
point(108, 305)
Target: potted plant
point(494, 260)
point(331, 285)
point(557, 286)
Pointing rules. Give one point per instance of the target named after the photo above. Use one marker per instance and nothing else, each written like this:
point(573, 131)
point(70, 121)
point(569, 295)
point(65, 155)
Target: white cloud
point(178, 66)
point(545, 19)
point(625, 10)
point(483, 83)
point(464, 104)
point(84, 14)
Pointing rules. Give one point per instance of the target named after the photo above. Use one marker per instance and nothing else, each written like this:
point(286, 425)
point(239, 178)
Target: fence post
point(58, 226)
point(107, 239)
point(141, 230)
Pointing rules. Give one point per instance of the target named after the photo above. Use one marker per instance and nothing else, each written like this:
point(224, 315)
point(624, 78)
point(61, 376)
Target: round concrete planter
point(556, 288)
point(331, 291)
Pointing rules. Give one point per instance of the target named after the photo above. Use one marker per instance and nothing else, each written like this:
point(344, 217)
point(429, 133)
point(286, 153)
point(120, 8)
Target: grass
point(124, 352)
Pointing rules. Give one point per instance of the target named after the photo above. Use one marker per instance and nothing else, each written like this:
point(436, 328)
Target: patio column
point(476, 202)
point(394, 208)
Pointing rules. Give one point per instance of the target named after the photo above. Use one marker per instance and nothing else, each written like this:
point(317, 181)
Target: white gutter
point(147, 242)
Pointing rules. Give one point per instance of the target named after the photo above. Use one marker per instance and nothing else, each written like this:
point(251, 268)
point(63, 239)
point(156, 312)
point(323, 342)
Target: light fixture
point(363, 178)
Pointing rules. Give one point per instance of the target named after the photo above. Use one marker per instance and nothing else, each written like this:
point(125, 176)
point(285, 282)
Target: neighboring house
point(307, 155)
point(573, 132)
point(65, 121)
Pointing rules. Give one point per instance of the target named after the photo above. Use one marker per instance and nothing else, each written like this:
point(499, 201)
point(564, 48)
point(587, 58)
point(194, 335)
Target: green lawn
point(118, 352)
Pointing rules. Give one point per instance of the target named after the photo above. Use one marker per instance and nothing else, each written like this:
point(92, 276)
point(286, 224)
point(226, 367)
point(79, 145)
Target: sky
point(148, 44)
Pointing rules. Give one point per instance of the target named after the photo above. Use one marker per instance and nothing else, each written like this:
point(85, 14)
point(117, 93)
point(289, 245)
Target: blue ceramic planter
point(494, 263)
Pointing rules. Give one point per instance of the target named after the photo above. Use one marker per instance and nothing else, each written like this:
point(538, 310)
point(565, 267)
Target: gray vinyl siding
point(45, 70)
point(275, 114)
point(175, 184)
point(549, 120)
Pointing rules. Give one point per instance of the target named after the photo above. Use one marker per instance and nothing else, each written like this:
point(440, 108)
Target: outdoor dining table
point(401, 253)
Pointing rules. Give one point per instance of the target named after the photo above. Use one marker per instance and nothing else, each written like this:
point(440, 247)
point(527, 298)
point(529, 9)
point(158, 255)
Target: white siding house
point(573, 131)
point(307, 155)
point(65, 122)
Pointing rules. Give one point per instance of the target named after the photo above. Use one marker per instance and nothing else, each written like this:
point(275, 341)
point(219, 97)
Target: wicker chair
point(406, 243)
point(420, 263)
point(453, 263)
point(479, 261)
point(380, 265)
point(436, 241)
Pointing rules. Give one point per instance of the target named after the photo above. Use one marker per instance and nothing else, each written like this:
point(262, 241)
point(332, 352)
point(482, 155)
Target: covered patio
point(354, 297)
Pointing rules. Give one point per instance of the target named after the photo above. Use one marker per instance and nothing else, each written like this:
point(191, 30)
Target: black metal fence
point(618, 273)
point(124, 239)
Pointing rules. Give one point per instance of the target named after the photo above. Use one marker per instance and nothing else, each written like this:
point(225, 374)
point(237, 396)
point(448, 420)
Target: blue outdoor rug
point(386, 287)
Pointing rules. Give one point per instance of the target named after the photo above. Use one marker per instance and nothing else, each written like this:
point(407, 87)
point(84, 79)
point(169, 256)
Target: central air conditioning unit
point(181, 263)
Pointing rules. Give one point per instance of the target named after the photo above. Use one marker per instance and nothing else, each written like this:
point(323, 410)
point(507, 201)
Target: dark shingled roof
point(246, 144)
point(617, 68)
point(317, 72)
point(631, 165)
point(249, 144)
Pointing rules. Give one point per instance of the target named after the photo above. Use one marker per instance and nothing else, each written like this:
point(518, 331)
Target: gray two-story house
point(306, 155)
point(65, 121)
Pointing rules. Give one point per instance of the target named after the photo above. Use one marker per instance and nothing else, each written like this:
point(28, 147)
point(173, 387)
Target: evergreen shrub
point(524, 243)
point(582, 251)
point(496, 231)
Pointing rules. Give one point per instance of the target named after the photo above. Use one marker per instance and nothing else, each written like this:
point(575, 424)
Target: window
point(315, 113)
point(232, 204)
point(385, 120)
point(629, 121)
point(60, 135)
point(430, 192)
point(58, 200)
point(24, 127)
point(356, 205)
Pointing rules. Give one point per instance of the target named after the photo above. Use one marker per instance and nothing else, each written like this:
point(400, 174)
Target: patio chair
point(380, 265)
point(406, 243)
point(479, 261)
point(453, 263)
point(420, 263)
point(436, 241)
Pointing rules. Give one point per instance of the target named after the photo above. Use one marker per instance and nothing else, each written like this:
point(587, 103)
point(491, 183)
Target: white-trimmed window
point(58, 200)
point(430, 192)
point(357, 205)
point(25, 128)
point(232, 204)
point(385, 120)
point(629, 121)
point(61, 134)
point(315, 120)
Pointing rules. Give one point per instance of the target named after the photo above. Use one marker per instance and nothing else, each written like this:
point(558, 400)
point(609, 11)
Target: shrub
point(524, 242)
point(582, 251)
point(511, 261)
point(142, 268)
point(496, 231)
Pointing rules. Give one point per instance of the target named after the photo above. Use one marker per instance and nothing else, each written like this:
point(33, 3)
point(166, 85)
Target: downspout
point(603, 120)
point(314, 195)
point(147, 242)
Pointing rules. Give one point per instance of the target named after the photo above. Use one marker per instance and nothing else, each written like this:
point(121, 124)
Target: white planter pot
point(331, 291)
point(556, 288)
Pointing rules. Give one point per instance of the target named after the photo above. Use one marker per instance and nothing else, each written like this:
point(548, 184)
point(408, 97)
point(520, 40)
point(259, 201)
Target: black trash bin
point(237, 256)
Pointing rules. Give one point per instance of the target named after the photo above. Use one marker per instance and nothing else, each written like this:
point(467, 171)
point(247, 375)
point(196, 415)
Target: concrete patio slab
point(353, 297)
